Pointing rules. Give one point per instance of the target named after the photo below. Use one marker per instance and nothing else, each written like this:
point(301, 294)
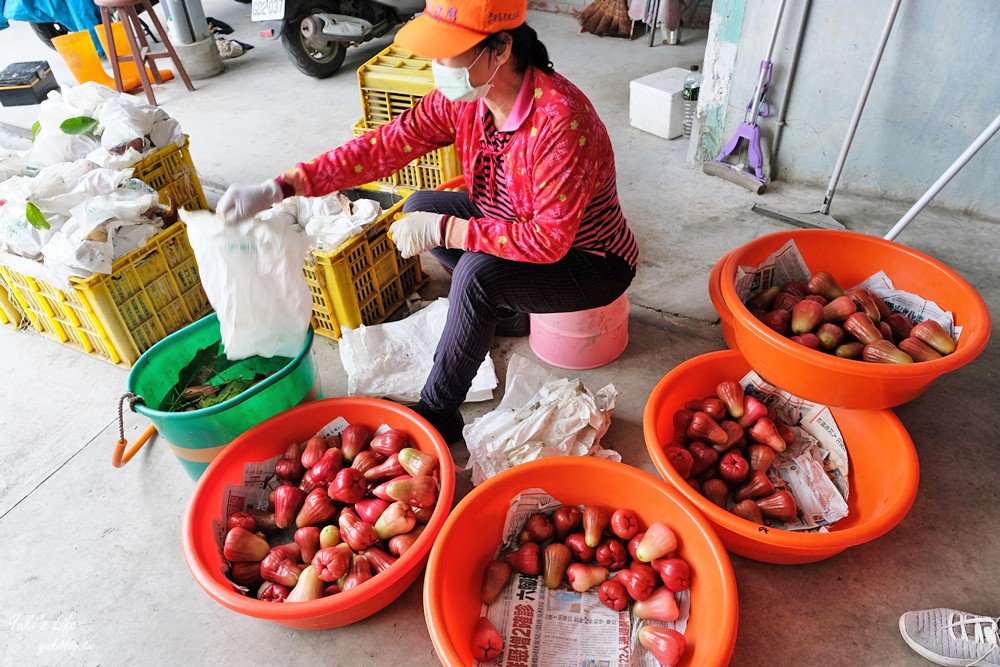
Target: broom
point(606, 18)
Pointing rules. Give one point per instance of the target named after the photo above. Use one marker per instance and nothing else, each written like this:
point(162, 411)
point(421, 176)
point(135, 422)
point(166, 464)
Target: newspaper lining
point(786, 263)
point(560, 626)
point(814, 468)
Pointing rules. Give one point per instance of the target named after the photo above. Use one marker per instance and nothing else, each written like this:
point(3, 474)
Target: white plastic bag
point(393, 360)
point(252, 274)
point(330, 221)
point(540, 415)
point(101, 229)
point(12, 163)
point(47, 191)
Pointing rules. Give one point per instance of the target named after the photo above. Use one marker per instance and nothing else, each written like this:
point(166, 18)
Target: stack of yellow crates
point(150, 293)
point(390, 83)
point(364, 280)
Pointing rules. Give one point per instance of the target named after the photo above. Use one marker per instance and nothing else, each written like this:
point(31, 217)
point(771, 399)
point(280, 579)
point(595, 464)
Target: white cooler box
point(656, 103)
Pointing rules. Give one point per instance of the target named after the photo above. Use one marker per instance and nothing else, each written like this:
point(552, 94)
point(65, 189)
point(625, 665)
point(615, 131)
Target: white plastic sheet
point(540, 415)
point(393, 360)
point(252, 274)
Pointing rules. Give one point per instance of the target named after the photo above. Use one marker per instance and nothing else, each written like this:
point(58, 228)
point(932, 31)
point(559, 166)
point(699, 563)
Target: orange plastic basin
point(882, 478)
point(715, 294)
point(473, 531)
point(270, 438)
point(852, 258)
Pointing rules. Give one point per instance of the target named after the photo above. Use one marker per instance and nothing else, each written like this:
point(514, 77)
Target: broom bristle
point(606, 18)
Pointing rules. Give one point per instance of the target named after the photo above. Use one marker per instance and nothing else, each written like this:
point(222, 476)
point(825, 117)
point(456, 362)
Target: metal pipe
point(842, 158)
point(787, 89)
point(199, 24)
point(177, 22)
point(939, 184)
point(764, 72)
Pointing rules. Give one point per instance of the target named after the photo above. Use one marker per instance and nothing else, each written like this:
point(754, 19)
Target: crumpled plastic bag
point(89, 97)
point(333, 219)
point(541, 415)
point(12, 163)
point(330, 220)
point(128, 129)
point(49, 190)
point(56, 191)
point(252, 274)
point(51, 145)
point(101, 229)
point(393, 360)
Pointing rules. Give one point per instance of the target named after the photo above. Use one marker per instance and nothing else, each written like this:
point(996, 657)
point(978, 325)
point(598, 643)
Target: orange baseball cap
point(450, 27)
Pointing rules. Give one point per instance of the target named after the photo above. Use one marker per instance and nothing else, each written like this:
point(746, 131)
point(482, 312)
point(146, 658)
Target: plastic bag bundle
point(101, 229)
point(127, 128)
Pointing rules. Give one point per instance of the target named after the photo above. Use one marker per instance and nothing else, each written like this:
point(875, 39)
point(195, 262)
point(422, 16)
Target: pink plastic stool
point(581, 340)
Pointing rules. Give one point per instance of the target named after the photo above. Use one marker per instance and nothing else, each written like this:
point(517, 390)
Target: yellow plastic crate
point(391, 83)
point(150, 293)
point(171, 173)
point(426, 172)
point(364, 280)
point(10, 314)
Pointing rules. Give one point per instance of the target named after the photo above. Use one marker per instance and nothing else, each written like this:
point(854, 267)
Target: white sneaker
point(952, 638)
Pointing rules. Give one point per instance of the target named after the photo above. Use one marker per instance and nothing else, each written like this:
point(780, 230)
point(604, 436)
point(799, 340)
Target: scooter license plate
point(267, 10)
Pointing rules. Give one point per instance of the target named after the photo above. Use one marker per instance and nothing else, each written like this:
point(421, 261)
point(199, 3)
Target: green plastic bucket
point(197, 436)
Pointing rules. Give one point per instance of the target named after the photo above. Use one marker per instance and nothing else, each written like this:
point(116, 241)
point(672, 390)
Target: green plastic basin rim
point(274, 378)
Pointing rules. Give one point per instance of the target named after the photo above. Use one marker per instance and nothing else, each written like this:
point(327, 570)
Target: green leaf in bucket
point(230, 389)
point(188, 376)
point(78, 125)
point(35, 128)
point(35, 217)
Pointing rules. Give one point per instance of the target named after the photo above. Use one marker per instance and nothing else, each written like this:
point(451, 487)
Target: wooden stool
point(141, 54)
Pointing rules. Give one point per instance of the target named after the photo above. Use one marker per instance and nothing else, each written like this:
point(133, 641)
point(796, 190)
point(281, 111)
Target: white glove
point(417, 232)
point(241, 202)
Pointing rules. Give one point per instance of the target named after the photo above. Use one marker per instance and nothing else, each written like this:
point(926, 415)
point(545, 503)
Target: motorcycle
point(316, 33)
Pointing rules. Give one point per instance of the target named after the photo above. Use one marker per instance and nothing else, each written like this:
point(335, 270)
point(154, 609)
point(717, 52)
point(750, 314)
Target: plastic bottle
point(692, 86)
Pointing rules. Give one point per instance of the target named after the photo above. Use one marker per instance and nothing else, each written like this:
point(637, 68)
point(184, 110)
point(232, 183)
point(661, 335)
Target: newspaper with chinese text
point(550, 628)
point(814, 468)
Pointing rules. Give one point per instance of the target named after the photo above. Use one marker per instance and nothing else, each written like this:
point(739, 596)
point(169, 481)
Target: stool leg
point(166, 43)
point(138, 56)
point(112, 51)
point(656, 19)
point(140, 35)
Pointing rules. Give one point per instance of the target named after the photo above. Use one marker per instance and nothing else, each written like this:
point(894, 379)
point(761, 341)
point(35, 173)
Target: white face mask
point(453, 82)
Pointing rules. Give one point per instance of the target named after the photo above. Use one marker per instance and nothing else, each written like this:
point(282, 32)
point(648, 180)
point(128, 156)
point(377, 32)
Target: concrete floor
point(94, 572)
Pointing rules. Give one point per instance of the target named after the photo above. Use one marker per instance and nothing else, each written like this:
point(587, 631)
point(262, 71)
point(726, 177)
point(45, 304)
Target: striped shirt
point(602, 228)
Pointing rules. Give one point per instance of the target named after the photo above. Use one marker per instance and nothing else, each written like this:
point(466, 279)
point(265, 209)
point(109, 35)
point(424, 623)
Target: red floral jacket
point(559, 158)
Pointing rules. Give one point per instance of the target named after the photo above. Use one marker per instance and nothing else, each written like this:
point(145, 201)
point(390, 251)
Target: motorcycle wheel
point(313, 59)
point(46, 31)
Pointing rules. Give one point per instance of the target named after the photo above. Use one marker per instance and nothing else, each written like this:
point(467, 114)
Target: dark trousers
point(481, 283)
